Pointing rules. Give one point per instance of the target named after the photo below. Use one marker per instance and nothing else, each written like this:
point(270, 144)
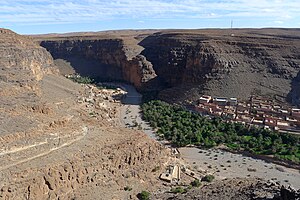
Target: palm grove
point(183, 127)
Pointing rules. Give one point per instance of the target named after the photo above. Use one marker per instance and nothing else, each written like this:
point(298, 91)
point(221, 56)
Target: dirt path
point(70, 142)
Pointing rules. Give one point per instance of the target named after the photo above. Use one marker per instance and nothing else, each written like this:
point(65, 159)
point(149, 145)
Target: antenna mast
point(231, 24)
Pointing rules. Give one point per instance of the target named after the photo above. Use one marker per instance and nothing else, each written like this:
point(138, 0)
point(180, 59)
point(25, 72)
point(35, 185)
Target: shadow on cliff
point(294, 95)
point(90, 67)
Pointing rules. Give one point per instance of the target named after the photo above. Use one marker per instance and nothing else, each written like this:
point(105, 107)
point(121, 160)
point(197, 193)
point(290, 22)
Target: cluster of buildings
point(257, 111)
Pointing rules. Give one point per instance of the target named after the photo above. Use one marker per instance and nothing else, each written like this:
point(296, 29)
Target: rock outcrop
point(23, 63)
point(96, 171)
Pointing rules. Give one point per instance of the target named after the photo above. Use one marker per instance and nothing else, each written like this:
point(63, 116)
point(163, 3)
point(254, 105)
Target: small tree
point(196, 183)
point(208, 178)
point(144, 195)
point(178, 190)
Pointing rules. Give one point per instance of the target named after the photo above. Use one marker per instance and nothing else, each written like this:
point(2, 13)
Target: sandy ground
point(228, 165)
point(130, 113)
point(220, 163)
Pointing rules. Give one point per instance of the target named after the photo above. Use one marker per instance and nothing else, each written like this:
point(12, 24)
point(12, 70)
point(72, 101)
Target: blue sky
point(58, 16)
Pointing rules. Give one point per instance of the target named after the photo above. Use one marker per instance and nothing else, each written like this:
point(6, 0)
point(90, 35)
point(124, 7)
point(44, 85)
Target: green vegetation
point(80, 79)
point(183, 127)
point(107, 86)
point(208, 178)
point(196, 183)
point(144, 195)
point(178, 190)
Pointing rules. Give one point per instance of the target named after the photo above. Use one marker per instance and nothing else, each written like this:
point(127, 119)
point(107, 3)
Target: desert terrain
point(64, 140)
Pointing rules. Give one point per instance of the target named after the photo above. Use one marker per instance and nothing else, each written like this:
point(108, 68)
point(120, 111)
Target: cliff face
point(186, 63)
point(102, 58)
point(196, 58)
point(23, 63)
point(223, 63)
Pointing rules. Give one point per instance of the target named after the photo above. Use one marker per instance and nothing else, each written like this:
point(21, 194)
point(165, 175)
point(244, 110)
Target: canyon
point(181, 64)
point(64, 140)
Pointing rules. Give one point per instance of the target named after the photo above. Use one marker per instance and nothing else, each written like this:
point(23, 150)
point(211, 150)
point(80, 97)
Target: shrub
point(144, 195)
point(196, 183)
point(208, 178)
point(178, 190)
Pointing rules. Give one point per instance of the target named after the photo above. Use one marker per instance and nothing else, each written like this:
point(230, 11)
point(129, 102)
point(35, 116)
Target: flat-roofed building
point(233, 101)
point(205, 99)
point(221, 101)
point(296, 112)
point(258, 121)
point(283, 125)
point(270, 122)
point(244, 119)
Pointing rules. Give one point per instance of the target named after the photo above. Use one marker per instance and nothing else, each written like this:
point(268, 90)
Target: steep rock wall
point(102, 58)
point(223, 64)
point(196, 58)
point(23, 63)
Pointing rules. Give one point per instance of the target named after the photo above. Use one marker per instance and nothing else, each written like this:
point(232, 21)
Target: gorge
point(185, 63)
point(63, 140)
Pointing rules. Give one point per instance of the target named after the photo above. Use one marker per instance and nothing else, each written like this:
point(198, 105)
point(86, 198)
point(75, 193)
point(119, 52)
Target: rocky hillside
point(190, 62)
point(62, 140)
point(22, 62)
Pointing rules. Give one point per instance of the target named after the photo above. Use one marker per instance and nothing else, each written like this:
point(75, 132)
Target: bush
point(177, 190)
point(82, 80)
point(208, 178)
point(196, 183)
point(144, 195)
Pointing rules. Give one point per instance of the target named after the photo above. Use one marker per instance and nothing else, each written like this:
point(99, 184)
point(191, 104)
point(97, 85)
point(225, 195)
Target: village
point(257, 111)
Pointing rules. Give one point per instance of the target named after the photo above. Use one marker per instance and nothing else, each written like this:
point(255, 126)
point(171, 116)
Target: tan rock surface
point(53, 145)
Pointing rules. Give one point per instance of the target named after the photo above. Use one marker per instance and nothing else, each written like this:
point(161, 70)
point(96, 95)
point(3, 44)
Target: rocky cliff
point(107, 59)
point(23, 63)
point(225, 62)
point(235, 62)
